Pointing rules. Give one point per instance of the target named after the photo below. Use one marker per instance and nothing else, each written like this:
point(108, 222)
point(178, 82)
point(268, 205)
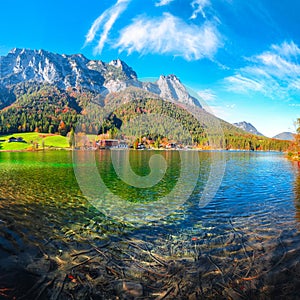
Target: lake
point(149, 233)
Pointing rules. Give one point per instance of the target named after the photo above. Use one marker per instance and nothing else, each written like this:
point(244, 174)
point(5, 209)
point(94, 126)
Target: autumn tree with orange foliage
point(294, 151)
point(297, 138)
point(62, 129)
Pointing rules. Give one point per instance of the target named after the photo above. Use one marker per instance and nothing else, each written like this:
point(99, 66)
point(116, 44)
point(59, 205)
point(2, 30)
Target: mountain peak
point(170, 77)
point(119, 64)
point(14, 51)
point(18, 51)
point(287, 136)
point(172, 88)
point(41, 66)
point(247, 127)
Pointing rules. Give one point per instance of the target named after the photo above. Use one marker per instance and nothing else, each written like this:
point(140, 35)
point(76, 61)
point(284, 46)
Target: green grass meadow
point(32, 139)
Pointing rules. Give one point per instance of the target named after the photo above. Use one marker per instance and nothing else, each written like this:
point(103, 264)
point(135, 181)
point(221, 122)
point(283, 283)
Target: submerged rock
point(129, 288)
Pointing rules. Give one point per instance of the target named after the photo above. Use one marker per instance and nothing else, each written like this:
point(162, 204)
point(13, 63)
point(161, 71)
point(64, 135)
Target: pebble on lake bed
point(129, 288)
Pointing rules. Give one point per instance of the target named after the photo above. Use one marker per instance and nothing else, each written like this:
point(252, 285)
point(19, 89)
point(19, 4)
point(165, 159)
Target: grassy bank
point(33, 141)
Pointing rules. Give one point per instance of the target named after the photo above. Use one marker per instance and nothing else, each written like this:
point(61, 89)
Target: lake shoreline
point(199, 150)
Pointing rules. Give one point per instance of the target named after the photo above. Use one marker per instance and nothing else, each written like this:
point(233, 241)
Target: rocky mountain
point(22, 68)
point(248, 127)
point(170, 87)
point(39, 66)
point(52, 93)
point(286, 136)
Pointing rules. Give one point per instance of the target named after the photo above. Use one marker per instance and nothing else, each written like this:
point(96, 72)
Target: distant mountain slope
point(248, 127)
point(286, 136)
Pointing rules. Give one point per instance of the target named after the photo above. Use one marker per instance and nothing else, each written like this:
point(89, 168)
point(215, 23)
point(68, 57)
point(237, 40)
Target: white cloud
point(105, 22)
point(287, 49)
point(221, 111)
point(230, 106)
point(207, 95)
point(238, 83)
point(170, 35)
point(273, 72)
point(275, 65)
point(163, 2)
point(295, 84)
point(198, 6)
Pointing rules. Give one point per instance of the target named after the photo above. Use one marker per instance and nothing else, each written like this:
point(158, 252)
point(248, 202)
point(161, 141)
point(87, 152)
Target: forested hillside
point(47, 109)
point(204, 130)
point(44, 109)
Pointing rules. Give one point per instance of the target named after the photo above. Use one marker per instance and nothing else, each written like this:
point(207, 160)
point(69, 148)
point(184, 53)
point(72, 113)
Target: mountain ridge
point(76, 71)
point(286, 136)
point(248, 127)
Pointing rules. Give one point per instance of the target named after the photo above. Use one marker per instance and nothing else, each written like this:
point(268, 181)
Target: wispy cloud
point(207, 95)
point(104, 23)
point(163, 2)
point(198, 6)
point(274, 72)
point(239, 83)
point(170, 35)
point(222, 111)
point(231, 106)
point(287, 49)
point(295, 84)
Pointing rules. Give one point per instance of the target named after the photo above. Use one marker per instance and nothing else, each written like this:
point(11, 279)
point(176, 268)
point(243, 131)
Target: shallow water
point(250, 229)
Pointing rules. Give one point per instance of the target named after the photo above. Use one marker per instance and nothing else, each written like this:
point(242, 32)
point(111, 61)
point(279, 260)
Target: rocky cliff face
point(63, 71)
point(39, 66)
point(170, 87)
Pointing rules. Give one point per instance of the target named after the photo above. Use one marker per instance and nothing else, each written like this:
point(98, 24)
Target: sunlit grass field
point(34, 140)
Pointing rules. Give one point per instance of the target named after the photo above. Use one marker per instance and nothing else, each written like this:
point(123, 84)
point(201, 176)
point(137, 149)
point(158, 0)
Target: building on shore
point(112, 143)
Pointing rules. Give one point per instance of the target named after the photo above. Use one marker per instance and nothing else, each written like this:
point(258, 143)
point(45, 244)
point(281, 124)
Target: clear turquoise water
point(257, 205)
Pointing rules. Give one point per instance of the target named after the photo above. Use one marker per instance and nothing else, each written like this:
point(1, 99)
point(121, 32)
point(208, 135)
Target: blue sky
point(242, 57)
